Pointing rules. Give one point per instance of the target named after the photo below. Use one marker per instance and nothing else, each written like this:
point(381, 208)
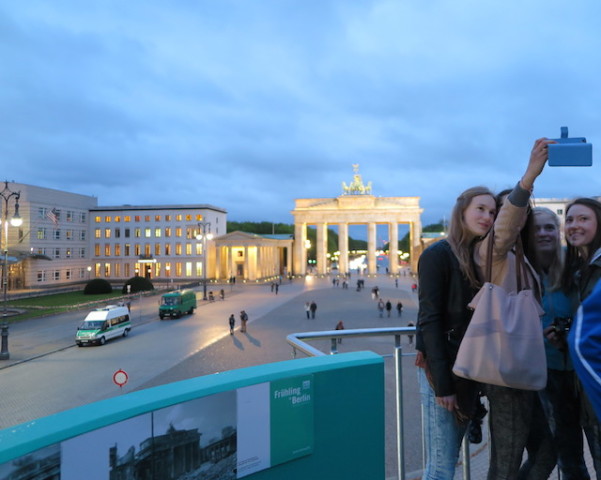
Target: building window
point(126, 270)
point(107, 219)
point(127, 218)
point(137, 218)
point(117, 250)
point(107, 270)
point(97, 250)
point(82, 217)
point(117, 219)
point(41, 212)
point(97, 233)
point(188, 249)
point(98, 219)
point(178, 269)
point(137, 232)
point(117, 269)
point(69, 235)
point(178, 232)
point(147, 249)
point(199, 269)
point(147, 232)
point(82, 272)
point(82, 253)
point(188, 269)
point(560, 211)
point(67, 274)
point(178, 248)
point(167, 232)
point(57, 234)
point(126, 233)
point(41, 275)
point(107, 249)
point(56, 275)
point(147, 218)
point(157, 249)
point(157, 218)
point(198, 217)
point(82, 235)
point(190, 232)
point(107, 233)
point(126, 252)
point(167, 249)
point(188, 218)
point(178, 218)
point(69, 216)
point(117, 233)
point(167, 218)
point(157, 232)
point(56, 253)
point(199, 249)
point(41, 233)
point(68, 253)
point(137, 250)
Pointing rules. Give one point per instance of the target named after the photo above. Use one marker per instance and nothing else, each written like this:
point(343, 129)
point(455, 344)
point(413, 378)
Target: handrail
point(296, 340)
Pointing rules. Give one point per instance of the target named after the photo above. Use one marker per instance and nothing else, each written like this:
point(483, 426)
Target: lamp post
point(204, 234)
point(15, 221)
point(89, 272)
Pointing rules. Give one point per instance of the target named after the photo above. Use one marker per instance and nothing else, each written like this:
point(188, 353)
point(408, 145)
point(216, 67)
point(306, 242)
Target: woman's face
point(581, 226)
point(546, 233)
point(479, 215)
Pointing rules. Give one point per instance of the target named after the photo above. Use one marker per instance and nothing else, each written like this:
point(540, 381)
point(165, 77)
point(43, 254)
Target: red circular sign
point(120, 377)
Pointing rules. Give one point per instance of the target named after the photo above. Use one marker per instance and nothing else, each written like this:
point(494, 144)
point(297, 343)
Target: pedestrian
point(308, 309)
point(211, 297)
point(388, 308)
point(340, 326)
point(515, 414)
point(399, 308)
point(222, 294)
point(381, 308)
point(313, 308)
point(410, 336)
point(396, 282)
point(560, 397)
point(232, 322)
point(277, 287)
point(243, 320)
point(272, 286)
point(414, 287)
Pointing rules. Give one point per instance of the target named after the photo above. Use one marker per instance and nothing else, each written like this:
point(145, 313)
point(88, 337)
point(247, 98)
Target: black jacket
point(444, 293)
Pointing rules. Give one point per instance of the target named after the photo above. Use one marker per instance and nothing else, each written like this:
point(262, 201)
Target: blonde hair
point(460, 238)
point(555, 271)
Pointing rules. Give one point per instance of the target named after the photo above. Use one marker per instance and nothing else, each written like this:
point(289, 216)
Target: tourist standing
point(313, 309)
point(232, 323)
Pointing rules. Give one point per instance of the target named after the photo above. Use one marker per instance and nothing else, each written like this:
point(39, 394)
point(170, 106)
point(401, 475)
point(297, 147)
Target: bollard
point(4, 355)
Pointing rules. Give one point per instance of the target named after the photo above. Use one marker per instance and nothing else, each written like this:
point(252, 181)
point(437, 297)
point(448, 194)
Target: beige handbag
point(503, 344)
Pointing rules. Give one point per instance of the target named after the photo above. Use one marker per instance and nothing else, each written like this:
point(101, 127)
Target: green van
point(175, 304)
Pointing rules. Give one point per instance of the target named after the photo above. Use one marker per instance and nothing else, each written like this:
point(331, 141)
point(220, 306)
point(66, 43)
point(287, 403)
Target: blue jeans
point(442, 434)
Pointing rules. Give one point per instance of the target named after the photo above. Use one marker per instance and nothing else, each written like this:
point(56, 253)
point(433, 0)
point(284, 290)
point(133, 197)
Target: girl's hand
point(449, 402)
point(538, 158)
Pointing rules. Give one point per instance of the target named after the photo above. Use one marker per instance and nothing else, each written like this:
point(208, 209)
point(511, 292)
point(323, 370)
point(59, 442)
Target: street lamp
point(15, 221)
point(89, 271)
point(204, 234)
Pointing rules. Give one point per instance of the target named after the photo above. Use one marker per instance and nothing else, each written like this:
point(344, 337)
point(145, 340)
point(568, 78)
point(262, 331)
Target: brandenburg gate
point(355, 206)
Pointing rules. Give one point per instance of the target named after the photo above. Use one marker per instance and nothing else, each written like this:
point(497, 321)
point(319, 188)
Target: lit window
point(98, 233)
point(107, 219)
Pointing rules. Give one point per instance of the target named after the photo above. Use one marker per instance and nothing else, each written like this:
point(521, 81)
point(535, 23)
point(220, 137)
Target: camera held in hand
point(570, 152)
point(561, 327)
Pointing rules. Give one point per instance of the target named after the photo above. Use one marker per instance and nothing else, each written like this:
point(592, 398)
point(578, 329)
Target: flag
point(53, 215)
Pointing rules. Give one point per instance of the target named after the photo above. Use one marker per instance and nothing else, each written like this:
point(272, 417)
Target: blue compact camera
point(570, 152)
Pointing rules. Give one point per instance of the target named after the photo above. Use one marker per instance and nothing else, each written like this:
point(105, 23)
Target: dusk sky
point(247, 105)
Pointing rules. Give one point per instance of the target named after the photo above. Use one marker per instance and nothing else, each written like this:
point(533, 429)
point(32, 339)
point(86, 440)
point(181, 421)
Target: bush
point(138, 284)
point(97, 286)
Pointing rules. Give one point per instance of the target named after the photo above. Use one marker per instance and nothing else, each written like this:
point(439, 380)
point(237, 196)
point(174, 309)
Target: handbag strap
point(520, 264)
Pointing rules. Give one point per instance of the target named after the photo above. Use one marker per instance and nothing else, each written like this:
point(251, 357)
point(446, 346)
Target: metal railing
point(298, 343)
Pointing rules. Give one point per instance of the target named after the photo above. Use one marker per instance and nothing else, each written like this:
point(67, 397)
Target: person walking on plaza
point(381, 307)
point(308, 309)
point(243, 320)
point(222, 294)
point(313, 308)
point(388, 308)
point(232, 322)
point(340, 326)
point(399, 308)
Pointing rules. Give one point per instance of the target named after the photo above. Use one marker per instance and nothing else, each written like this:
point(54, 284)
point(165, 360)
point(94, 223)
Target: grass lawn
point(60, 302)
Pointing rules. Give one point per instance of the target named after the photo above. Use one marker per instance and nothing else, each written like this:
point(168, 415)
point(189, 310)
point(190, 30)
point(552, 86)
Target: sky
point(248, 105)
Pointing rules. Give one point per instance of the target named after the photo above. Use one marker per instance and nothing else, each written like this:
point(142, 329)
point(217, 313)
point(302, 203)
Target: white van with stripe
point(103, 324)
